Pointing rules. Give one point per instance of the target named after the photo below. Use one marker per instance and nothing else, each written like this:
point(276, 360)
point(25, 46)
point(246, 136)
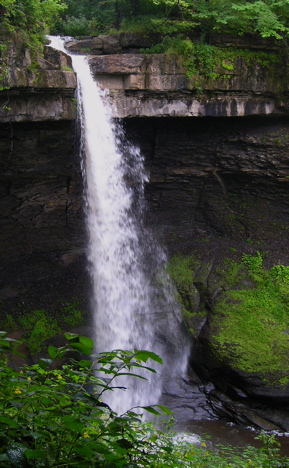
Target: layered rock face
point(37, 89)
point(42, 234)
point(219, 188)
point(42, 229)
point(223, 178)
point(158, 85)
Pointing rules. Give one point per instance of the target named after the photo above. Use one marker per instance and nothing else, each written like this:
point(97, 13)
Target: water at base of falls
point(133, 306)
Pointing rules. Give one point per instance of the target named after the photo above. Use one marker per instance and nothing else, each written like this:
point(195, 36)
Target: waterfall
point(132, 303)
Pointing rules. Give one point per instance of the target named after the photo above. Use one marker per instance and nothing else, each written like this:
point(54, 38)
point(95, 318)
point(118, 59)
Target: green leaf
point(164, 409)
point(44, 363)
point(4, 343)
point(132, 375)
point(9, 421)
point(31, 454)
point(82, 348)
point(144, 355)
point(75, 426)
point(84, 450)
point(150, 409)
point(85, 363)
point(52, 351)
point(86, 341)
point(70, 336)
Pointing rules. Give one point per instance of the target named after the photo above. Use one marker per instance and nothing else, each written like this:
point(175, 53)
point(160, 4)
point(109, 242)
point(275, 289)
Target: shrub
point(52, 415)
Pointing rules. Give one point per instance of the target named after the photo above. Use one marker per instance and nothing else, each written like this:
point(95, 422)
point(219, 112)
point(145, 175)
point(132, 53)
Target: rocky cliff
point(250, 78)
point(218, 184)
point(42, 230)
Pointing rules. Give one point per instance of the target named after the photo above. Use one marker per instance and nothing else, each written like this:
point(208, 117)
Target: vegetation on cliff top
point(30, 19)
point(34, 18)
point(181, 27)
point(269, 18)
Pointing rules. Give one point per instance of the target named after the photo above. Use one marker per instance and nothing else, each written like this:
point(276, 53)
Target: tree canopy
point(31, 19)
point(34, 18)
point(269, 18)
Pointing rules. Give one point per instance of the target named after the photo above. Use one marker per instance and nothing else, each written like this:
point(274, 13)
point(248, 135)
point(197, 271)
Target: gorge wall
point(42, 229)
point(216, 151)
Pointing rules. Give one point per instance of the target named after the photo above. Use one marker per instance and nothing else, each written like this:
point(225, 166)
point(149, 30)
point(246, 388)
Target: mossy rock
point(246, 339)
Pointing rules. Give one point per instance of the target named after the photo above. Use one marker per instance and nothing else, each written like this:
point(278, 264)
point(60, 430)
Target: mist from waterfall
point(132, 303)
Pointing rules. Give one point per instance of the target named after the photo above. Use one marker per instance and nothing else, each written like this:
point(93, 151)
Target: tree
point(269, 18)
point(38, 15)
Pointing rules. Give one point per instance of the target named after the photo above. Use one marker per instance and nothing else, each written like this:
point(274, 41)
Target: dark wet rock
point(42, 228)
point(219, 186)
point(249, 412)
point(187, 399)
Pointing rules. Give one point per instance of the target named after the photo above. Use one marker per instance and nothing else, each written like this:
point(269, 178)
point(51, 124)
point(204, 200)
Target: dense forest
point(31, 19)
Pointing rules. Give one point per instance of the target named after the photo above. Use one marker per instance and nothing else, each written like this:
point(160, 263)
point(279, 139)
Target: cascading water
point(130, 309)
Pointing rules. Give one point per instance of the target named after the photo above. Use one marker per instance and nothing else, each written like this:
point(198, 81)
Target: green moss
point(250, 324)
point(182, 270)
point(8, 322)
point(67, 69)
point(206, 62)
point(71, 314)
point(39, 326)
point(229, 274)
point(228, 64)
point(279, 138)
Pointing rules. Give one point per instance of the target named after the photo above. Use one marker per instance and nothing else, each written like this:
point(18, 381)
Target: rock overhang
point(157, 85)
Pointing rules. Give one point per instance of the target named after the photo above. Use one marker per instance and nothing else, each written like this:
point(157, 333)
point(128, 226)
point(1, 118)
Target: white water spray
point(128, 310)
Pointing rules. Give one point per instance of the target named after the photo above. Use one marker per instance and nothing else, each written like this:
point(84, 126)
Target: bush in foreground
point(52, 415)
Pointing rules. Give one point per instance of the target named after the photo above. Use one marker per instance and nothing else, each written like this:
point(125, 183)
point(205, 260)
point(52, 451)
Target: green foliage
point(251, 322)
point(182, 271)
point(4, 71)
point(25, 23)
point(280, 273)
point(254, 264)
point(56, 417)
point(51, 415)
point(30, 18)
point(77, 27)
point(40, 327)
point(269, 18)
point(206, 62)
point(99, 16)
point(265, 17)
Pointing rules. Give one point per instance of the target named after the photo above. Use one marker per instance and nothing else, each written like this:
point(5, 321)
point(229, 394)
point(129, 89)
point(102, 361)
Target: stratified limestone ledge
point(44, 93)
point(147, 85)
point(145, 104)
